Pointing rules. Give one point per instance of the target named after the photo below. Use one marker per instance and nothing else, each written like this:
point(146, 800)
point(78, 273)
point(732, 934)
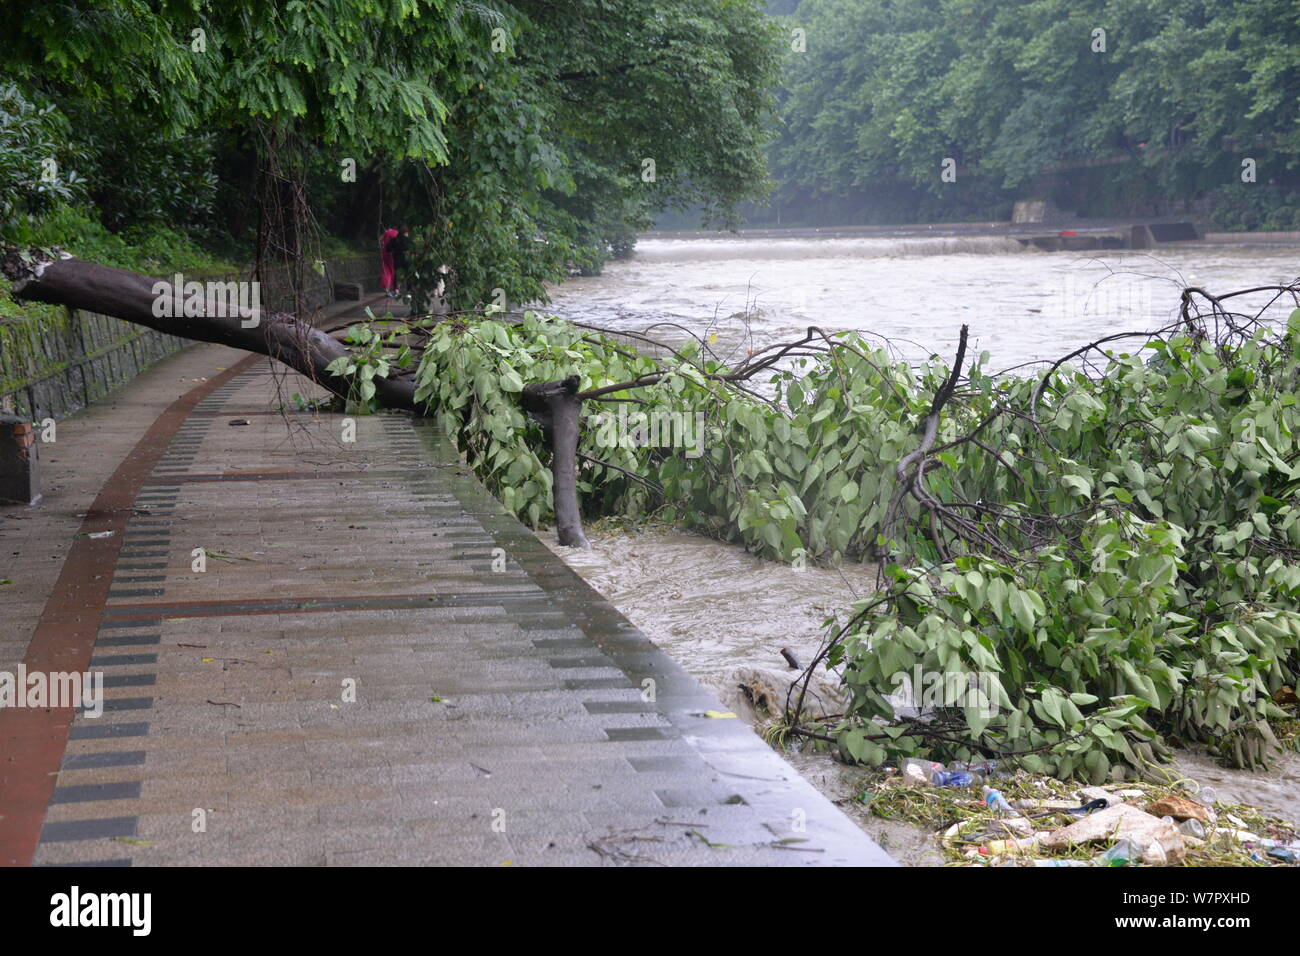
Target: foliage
point(366, 362)
point(140, 178)
point(151, 250)
point(32, 137)
point(357, 74)
point(549, 136)
point(511, 136)
point(1182, 92)
point(1241, 207)
point(1130, 569)
point(1114, 562)
point(11, 308)
point(472, 373)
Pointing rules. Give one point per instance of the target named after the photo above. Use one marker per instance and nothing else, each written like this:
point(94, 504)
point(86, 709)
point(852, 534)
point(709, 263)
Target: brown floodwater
point(914, 292)
point(713, 606)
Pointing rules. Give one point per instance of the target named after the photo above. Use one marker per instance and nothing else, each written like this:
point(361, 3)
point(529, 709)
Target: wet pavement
point(375, 665)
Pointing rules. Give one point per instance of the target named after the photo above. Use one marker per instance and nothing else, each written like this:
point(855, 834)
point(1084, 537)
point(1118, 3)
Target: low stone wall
point(50, 368)
point(318, 288)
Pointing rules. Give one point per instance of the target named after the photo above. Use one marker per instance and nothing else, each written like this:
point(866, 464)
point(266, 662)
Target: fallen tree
point(356, 363)
point(348, 360)
point(1102, 553)
point(1096, 560)
point(59, 279)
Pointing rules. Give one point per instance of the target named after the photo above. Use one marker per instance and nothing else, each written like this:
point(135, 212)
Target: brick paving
point(378, 666)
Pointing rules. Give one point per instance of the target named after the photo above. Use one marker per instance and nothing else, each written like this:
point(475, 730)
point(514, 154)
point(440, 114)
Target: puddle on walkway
point(724, 614)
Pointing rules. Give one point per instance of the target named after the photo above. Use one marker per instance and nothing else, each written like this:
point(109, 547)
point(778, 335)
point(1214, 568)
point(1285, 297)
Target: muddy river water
point(717, 609)
point(1022, 305)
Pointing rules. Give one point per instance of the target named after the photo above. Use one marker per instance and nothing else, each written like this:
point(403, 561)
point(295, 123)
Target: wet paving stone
point(349, 681)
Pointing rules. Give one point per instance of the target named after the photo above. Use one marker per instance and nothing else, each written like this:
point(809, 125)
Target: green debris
point(224, 556)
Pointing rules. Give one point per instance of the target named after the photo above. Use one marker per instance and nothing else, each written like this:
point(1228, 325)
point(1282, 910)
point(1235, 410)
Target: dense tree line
point(1165, 97)
point(522, 140)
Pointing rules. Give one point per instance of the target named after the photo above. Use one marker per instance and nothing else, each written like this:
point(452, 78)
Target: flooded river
point(717, 609)
point(1022, 305)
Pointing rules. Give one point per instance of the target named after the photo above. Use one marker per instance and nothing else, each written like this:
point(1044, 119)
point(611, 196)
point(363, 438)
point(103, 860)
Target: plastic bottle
point(982, 770)
point(1155, 855)
point(1122, 853)
point(997, 847)
point(994, 800)
point(1292, 845)
point(951, 778)
point(1062, 863)
point(1193, 828)
point(923, 769)
point(1206, 796)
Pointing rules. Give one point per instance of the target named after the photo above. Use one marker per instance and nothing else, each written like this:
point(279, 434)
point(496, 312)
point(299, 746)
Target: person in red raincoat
point(387, 268)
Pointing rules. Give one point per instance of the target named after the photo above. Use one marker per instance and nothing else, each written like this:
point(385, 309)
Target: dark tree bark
point(129, 296)
point(557, 407)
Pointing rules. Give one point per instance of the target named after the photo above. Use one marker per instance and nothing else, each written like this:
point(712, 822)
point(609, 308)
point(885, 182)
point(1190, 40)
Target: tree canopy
point(521, 140)
point(1170, 95)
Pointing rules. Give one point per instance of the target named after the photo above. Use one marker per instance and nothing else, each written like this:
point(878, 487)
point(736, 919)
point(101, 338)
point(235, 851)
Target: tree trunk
point(129, 296)
point(557, 407)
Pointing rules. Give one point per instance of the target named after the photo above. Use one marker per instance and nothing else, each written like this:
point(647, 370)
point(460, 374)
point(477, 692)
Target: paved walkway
point(378, 665)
